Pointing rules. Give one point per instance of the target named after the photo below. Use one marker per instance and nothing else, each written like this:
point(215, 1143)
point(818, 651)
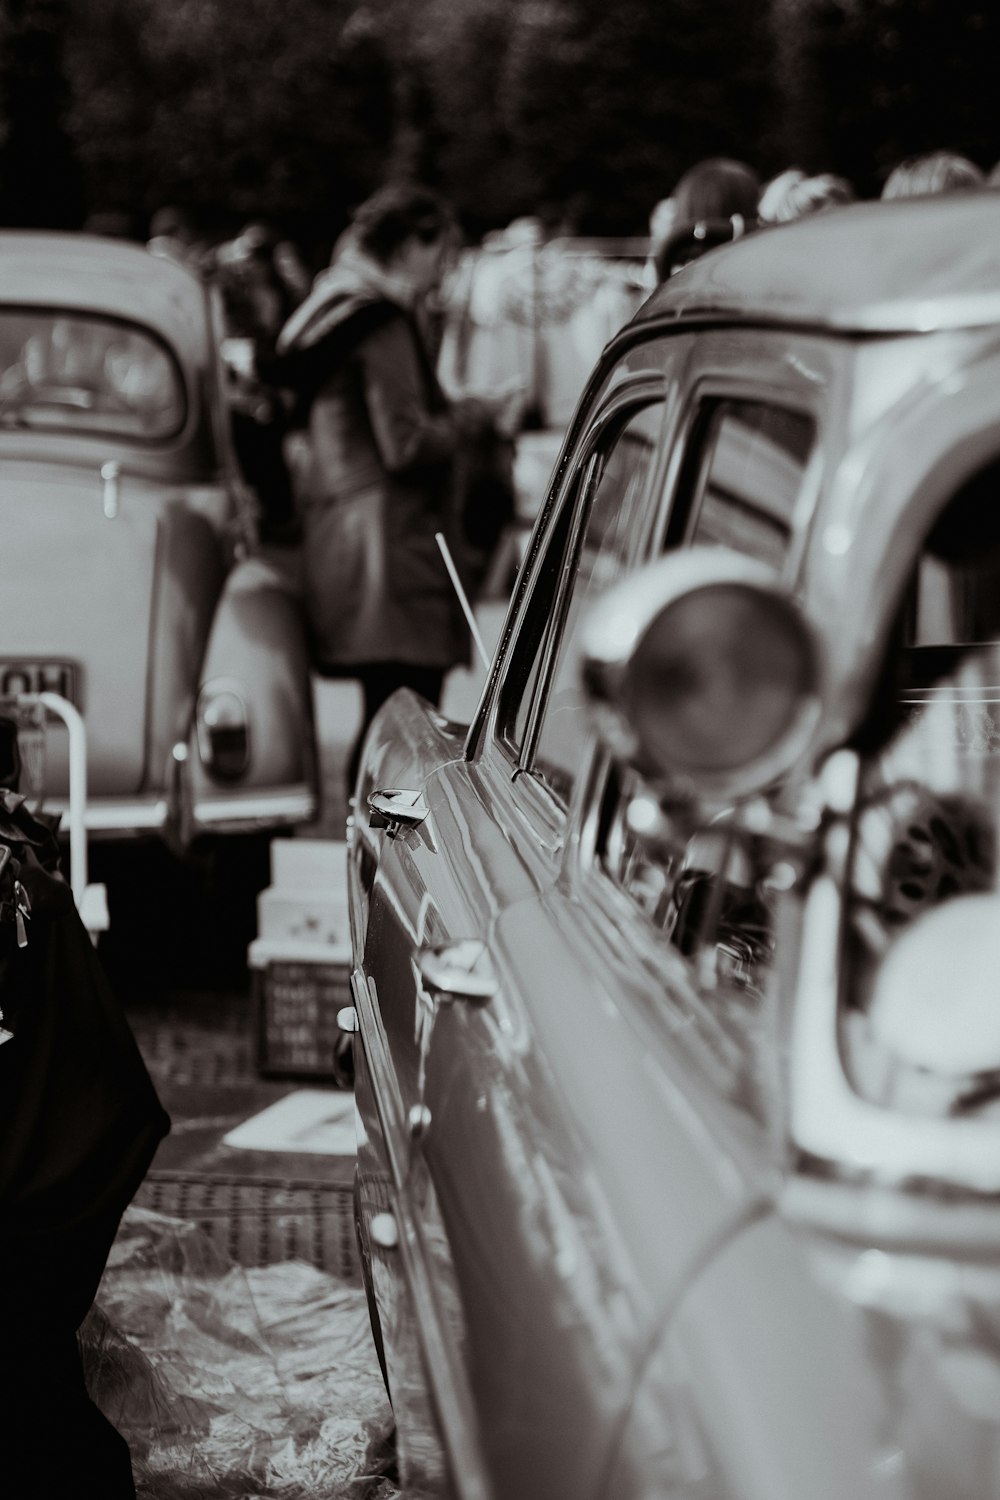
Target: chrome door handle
point(458, 971)
point(111, 475)
point(395, 809)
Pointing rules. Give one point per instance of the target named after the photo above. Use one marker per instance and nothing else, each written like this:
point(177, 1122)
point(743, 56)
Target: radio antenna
point(463, 598)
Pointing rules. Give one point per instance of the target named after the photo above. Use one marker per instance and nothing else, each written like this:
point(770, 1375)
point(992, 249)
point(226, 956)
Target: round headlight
point(714, 684)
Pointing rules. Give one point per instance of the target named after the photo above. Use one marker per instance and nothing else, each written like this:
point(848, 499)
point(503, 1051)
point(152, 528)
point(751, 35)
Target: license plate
point(62, 677)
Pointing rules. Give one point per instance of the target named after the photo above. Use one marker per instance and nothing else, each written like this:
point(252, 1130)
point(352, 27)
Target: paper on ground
point(314, 1120)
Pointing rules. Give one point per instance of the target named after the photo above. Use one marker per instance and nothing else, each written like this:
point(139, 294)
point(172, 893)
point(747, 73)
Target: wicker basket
point(298, 990)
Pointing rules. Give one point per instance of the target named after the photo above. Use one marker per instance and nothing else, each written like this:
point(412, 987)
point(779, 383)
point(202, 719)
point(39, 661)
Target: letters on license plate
point(17, 677)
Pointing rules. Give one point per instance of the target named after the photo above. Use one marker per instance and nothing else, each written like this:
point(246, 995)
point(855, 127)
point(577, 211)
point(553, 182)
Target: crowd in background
point(513, 324)
point(531, 305)
point(720, 199)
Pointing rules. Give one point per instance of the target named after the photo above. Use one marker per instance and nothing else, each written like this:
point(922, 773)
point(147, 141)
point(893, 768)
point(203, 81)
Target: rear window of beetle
point(79, 373)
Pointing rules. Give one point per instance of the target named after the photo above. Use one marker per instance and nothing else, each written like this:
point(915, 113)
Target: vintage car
point(675, 1000)
point(129, 582)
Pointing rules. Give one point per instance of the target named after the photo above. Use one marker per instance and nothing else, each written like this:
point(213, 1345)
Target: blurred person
point(172, 235)
point(383, 445)
point(529, 311)
point(793, 194)
point(662, 217)
point(112, 223)
point(258, 301)
point(935, 172)
point(715, 201)
point(291, 268)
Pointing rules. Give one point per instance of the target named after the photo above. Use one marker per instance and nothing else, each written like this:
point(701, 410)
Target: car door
point(477, 1154)
point(648, 960)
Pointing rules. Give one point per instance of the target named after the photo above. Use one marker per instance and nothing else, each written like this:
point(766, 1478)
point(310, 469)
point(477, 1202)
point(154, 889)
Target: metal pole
point(76, 814)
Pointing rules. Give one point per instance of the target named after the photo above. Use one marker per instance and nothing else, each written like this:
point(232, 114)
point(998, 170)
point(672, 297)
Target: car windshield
point(73, 372)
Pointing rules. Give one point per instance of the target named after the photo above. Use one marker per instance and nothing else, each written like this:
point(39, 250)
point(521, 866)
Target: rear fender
point(257, 648)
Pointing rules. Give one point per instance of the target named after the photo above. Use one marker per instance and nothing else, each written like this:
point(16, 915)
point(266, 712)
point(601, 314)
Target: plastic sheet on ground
point(235, 1382)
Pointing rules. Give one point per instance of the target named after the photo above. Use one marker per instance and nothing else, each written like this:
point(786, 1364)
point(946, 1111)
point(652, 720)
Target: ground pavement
point(240, 1361)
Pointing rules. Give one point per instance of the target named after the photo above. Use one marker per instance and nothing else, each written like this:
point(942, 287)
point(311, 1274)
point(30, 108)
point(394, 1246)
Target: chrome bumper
point(238, 812)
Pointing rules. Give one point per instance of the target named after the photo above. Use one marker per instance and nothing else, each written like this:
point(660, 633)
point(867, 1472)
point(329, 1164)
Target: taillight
point(223, 732)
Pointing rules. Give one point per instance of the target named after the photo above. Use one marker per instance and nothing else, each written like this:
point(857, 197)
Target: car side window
point(615, 485)
point(746, 469)
point(708, 893)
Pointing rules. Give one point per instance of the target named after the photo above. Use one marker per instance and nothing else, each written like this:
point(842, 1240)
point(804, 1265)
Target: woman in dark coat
point(383, 440)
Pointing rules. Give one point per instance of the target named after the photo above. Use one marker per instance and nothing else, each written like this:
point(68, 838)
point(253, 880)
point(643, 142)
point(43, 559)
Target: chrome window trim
point(627, 400)
point(809, 397)
point(552, 633)
point(484, 738)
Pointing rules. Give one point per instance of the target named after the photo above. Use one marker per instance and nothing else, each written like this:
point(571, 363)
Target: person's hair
point(936, 172)
point(397, 213)
point(716, 188)
point(169, 220)
point(793, 195)
point(715, 201)
point(690, 241)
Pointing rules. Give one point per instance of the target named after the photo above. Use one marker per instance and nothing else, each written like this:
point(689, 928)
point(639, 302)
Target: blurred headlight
point(710, 671)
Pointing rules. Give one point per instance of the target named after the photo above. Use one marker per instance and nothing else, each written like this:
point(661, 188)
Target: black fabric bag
point(79, 1125)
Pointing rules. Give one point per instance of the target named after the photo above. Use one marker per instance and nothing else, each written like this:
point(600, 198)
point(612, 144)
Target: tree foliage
point(238, 109)
point(40, 180)
point(922, 76)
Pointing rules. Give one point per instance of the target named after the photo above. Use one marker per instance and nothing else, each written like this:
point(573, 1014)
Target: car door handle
point(395, 809)
point(458, 971)
point(111, 494)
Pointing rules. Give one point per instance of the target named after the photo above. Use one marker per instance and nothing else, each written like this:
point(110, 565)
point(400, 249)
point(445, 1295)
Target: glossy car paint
point(145, 590)
point(591, 1253)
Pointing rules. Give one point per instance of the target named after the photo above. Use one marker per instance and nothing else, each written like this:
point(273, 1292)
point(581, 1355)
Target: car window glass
point(707, 893)
point(927, 817)
point(748, 464)
point(521, 682)
point(612, 512)
point(69, 372)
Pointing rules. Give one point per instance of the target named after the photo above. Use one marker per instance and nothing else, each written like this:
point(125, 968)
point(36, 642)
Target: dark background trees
point(892, 78)
point(238, 109)
point(41, 182)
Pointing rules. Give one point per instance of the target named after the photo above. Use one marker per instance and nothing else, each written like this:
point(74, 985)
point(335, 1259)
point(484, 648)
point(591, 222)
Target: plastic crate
point(298, 990)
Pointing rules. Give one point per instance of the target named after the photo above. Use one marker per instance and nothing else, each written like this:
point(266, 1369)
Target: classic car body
point(129, 579)
point(674, 1178)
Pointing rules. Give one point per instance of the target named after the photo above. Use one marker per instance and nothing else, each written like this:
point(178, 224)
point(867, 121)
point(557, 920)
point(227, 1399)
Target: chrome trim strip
point(453, 1403)
point(295, 805)
point(153, 815)
point(452, 1400)
point(387, 1097)
point(832, 1122)
point(115, 817)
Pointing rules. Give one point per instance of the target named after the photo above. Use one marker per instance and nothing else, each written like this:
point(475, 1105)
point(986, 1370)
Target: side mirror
point(705, 675)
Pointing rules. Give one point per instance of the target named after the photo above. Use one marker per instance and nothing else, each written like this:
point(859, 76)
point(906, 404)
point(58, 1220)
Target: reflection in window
point(709, 893)
point(752, 462)
point(72, 372)
point(927, 833)
point(612, 513)
point(521, 684)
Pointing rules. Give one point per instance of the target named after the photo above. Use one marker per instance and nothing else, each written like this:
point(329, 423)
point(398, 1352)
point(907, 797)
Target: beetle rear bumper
point(236, 812)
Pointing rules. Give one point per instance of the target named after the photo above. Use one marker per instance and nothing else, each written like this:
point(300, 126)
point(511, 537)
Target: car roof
point(905, 266)
point(87, 273)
